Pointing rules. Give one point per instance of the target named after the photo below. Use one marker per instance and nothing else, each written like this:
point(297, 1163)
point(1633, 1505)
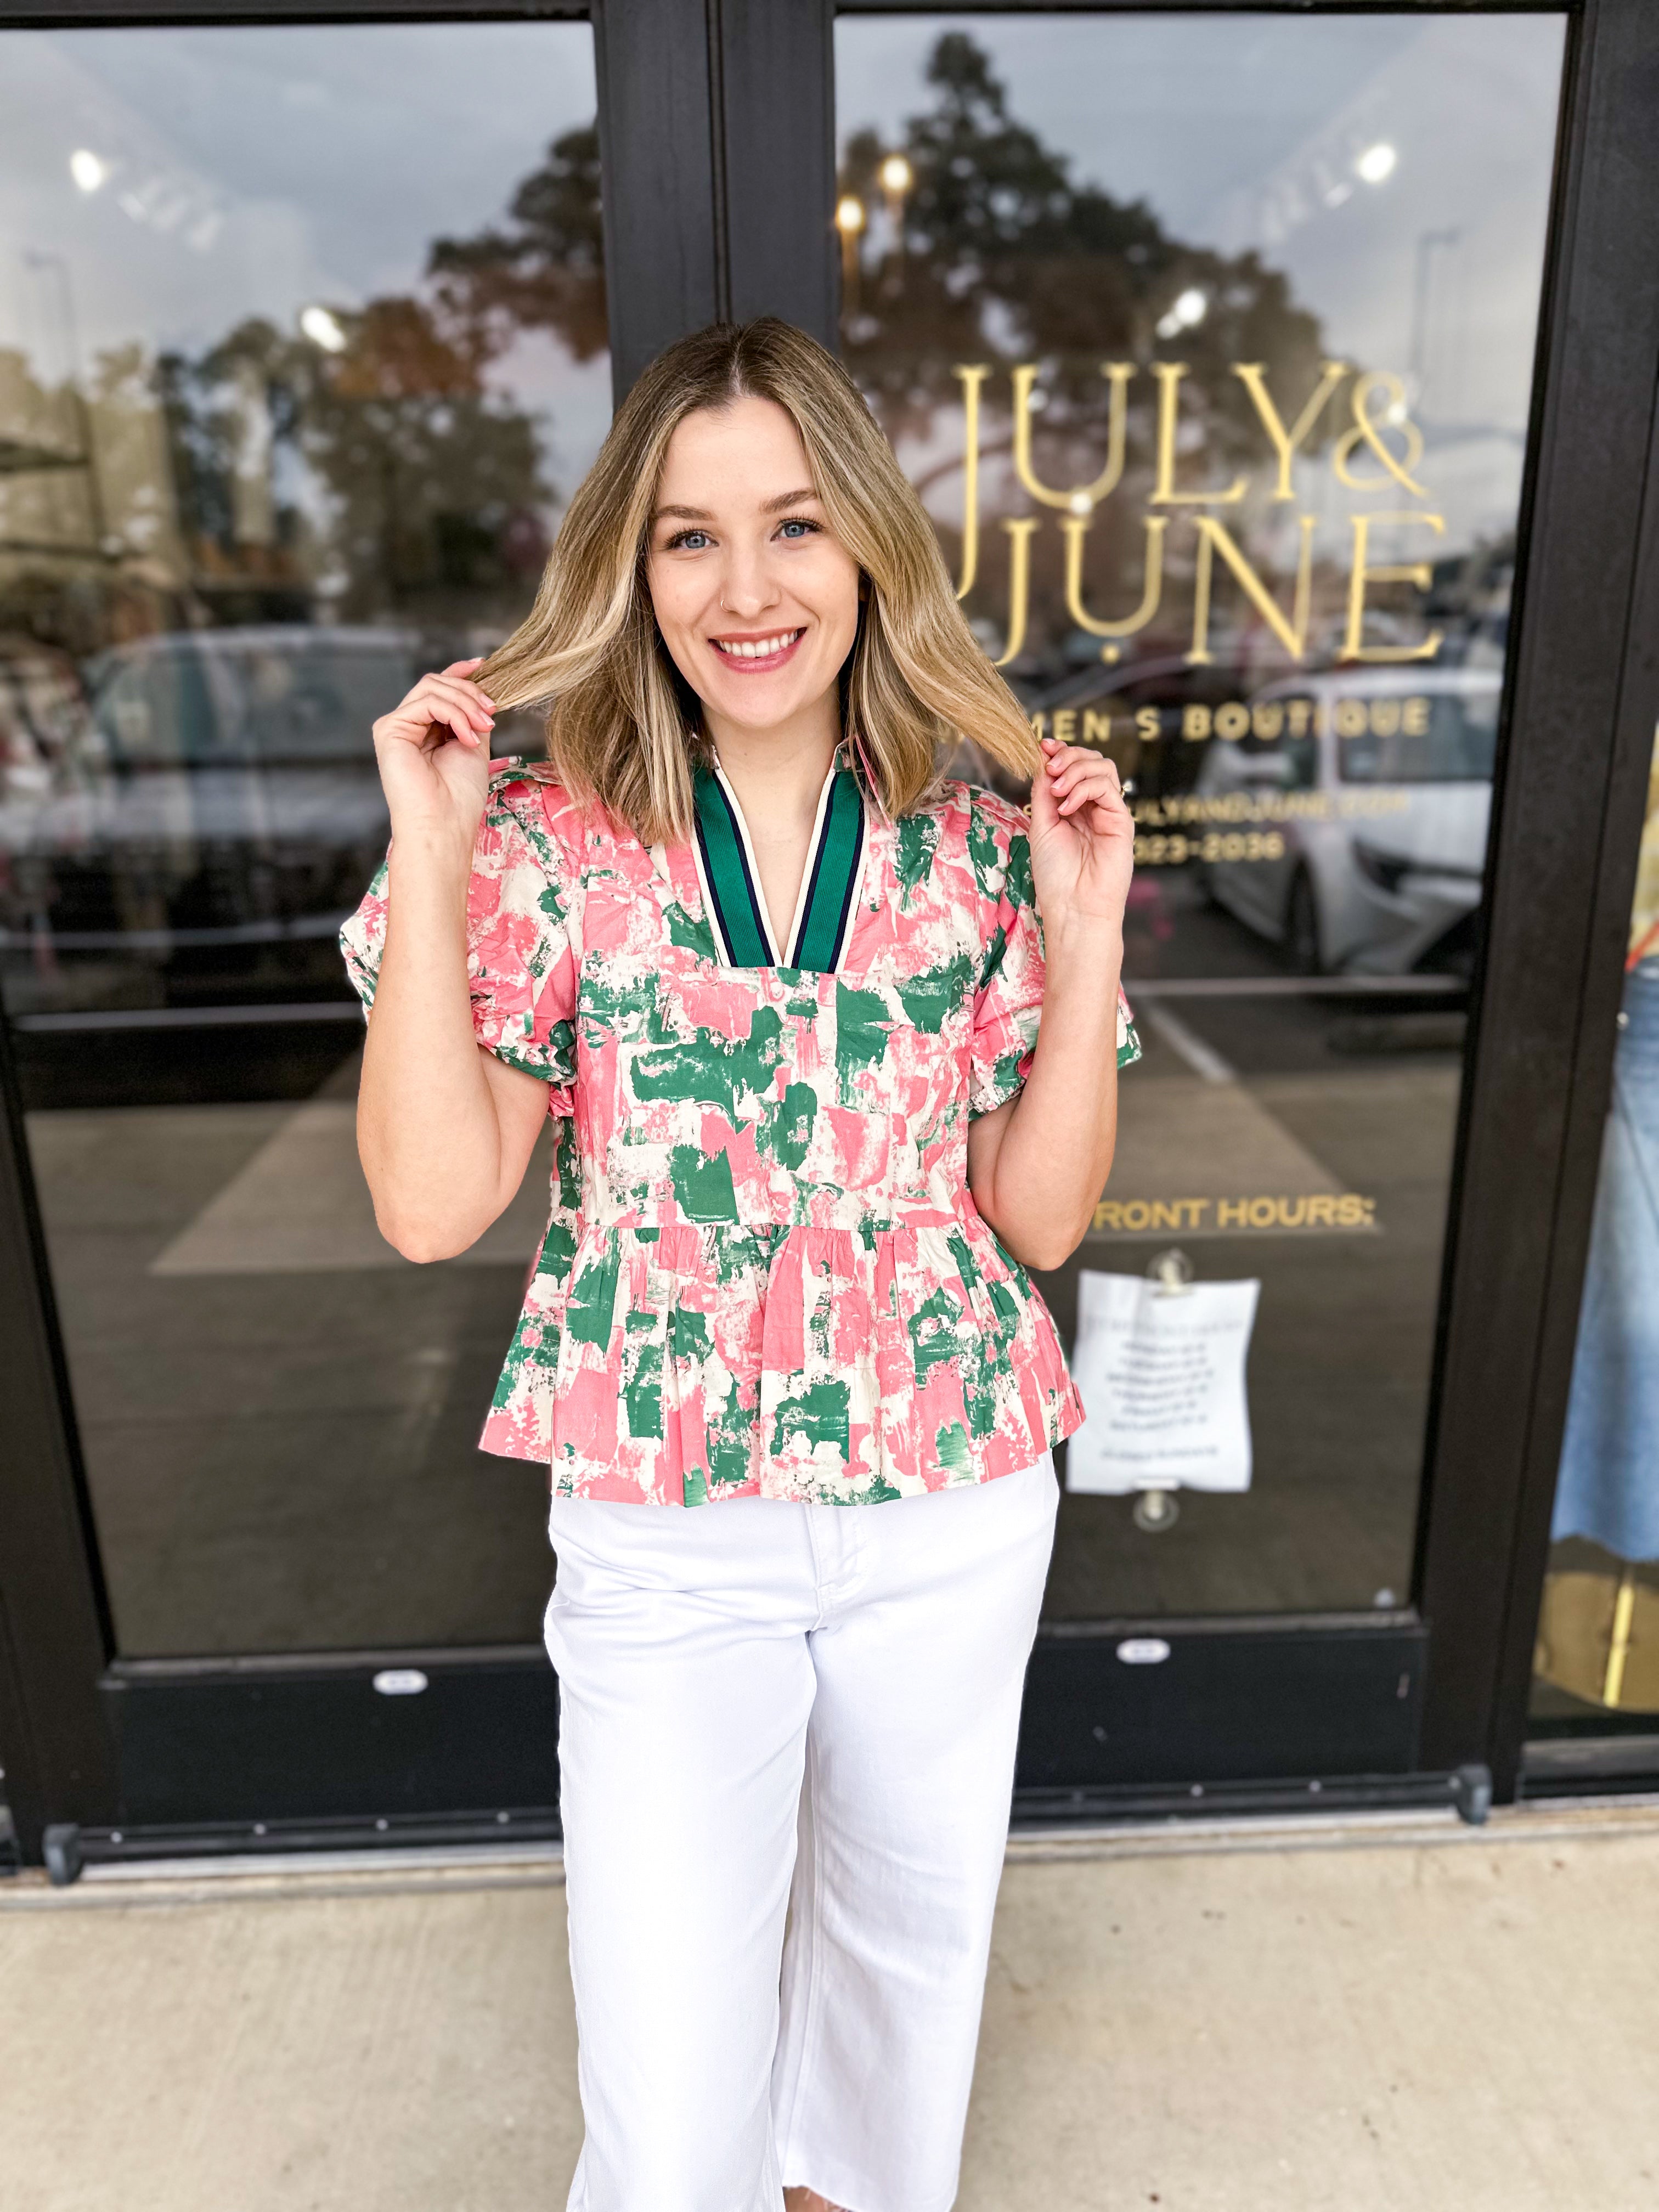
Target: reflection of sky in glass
point(256, 170)
point(1247, 131)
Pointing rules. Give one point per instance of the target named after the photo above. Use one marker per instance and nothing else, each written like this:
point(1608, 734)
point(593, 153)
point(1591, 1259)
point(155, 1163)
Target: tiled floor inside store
point(1409, 2016)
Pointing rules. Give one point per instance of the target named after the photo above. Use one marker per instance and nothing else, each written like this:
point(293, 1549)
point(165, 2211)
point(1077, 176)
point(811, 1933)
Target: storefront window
point(1598, 1636)
point(1208, 341)
point(303, 350)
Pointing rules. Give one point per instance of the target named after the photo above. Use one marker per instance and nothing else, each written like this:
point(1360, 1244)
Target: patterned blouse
point(764, 1274)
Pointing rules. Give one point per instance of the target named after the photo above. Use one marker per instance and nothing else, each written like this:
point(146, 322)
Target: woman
point(779, 991)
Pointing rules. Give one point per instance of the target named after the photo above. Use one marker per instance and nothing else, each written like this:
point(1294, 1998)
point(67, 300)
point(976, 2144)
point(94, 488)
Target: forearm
point(1053, 1157)
point(427, 1128)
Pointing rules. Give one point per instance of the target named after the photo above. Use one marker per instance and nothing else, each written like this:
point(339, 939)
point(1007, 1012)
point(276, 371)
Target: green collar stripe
point(737, 915)
point(835, 869)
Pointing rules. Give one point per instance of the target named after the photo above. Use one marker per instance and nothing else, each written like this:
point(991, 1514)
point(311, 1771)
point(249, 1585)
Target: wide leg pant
point(772, 1710)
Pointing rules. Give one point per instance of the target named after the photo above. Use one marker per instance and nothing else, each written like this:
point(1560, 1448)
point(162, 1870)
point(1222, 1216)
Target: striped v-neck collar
point(730, 877)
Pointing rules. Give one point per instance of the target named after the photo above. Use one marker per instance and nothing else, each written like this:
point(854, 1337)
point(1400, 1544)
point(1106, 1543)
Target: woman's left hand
point(1082, 840)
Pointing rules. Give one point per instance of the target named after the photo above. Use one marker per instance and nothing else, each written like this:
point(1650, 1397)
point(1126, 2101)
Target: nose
point(748, 587)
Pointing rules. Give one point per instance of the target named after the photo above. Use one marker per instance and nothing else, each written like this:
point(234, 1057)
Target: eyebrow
point(768, 507)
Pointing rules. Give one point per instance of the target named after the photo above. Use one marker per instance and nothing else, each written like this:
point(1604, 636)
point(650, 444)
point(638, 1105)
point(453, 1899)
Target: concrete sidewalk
point(1399, 2017)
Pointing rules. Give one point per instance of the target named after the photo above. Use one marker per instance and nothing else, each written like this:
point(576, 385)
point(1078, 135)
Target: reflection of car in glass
point(203, 820)
point(1378, 785)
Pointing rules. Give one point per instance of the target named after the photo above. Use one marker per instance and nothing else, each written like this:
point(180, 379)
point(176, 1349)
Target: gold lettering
point(1097, 726)
point(1292, 635)
point(1232, 720)
point(1117, 373)
point(1385, 717)
point(1267, 719)
point(1196, 722)
point(1284, 442)
point(972, 377)
point(1370, 428)
point(1351, 717)
point(1019, 585)
point(1166, 1215)
point(1292, 1212)
point(1149, 724)
point(1065, 724)
point(1263, 1213)
point(1232, 1213)
point(1136, 1213)
point(1168, 375)
point(1298, 712)
point(1198, 1207)
point(1039, 726)
point(1351, 1211)
point(1414, 717)
point(1412, 572)
point(1106, 1213)
point(1076, 529)
point(1322, 1209)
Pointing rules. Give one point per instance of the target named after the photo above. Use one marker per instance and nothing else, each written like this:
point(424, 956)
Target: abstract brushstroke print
point(763, 1272)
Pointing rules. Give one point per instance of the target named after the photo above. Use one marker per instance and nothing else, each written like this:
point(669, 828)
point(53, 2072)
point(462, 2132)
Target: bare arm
point(1038, 1164)
point(445, 1129)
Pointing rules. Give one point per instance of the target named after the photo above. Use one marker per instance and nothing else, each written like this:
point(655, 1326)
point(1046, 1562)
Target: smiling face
point(757, 599)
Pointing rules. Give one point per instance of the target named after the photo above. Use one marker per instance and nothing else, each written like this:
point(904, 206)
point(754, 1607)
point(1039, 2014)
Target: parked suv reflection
point(1378, 785)
point(188, 817)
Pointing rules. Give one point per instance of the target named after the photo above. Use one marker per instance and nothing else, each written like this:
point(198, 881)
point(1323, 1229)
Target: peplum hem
point(686, 1362)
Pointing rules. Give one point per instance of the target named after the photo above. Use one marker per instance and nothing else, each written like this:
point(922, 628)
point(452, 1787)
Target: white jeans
point(710, 1661)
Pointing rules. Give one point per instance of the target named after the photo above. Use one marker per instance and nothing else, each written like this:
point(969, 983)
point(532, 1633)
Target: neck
point(778, 773)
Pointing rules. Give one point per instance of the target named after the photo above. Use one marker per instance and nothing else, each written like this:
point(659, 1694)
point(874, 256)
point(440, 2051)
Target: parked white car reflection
point(1379, 786)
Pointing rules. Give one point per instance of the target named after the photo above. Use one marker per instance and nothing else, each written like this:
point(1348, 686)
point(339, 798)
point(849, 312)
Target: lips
point(759, 653)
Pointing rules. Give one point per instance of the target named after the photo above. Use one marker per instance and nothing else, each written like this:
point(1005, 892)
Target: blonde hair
point(622, 727)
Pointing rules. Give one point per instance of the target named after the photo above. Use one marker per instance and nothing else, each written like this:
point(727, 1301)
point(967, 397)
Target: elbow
point(420, 1240)
point(1048, 1251)
point(1046, 1246)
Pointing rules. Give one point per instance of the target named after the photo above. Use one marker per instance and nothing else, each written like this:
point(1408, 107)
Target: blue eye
point(798, 524)
point(682, 540)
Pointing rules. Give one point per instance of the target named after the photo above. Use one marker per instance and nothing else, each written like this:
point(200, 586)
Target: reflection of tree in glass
point(435, 479)
point(1004, 259)
point(429, 481)
point(548, 273)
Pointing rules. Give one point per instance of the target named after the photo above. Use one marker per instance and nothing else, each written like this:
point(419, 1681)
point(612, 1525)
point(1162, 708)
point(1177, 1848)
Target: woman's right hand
point(433, 749)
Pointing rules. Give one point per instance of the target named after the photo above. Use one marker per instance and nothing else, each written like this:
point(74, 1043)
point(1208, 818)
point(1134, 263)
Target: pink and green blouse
point(763, 1272)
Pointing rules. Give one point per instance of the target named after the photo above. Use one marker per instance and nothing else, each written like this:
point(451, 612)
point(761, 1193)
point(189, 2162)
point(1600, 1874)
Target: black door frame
point(717, 190)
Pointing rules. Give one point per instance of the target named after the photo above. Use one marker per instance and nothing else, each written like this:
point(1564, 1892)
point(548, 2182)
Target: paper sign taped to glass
point(1161, 1374)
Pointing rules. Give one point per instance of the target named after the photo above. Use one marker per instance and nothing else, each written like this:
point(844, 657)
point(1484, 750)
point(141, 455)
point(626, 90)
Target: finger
point(1107, 795)
point(435, 691)
point(459, 722)
point(453, 687)
point(463, 668)
point(1097, 779)
point(1077, 763)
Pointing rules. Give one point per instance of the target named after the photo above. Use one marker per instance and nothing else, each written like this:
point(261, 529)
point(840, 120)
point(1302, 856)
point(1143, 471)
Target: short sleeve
point(521, 970)
point(1008, 1002)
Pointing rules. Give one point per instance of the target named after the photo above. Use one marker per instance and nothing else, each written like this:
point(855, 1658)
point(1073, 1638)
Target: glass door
point(1209, 341)
point(303, 345)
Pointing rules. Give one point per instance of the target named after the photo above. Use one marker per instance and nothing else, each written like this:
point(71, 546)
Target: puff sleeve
point(521, 966)
point(1008, 1000)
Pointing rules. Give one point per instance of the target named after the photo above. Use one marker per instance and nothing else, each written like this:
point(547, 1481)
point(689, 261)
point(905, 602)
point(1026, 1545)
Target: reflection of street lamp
point(36, 258)
point(896, 178)
point(323, 328)
point(849, 221)
point(1377, 163)
point(1426, 242)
